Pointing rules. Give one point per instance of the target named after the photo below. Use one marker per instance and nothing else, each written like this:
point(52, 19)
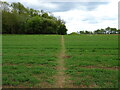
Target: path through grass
point(54, 61)
point(61, 75)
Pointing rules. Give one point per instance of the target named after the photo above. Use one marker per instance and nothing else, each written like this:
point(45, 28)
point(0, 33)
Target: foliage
point(18, 19)
point(62, 29)
point(107, 30)
point(73, 33)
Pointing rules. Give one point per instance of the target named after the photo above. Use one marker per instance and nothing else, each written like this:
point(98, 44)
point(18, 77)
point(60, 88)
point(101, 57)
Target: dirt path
point(60, 77)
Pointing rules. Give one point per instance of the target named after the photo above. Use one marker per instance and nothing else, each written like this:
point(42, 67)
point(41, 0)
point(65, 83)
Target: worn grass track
point(60, 77)
point(55, 61)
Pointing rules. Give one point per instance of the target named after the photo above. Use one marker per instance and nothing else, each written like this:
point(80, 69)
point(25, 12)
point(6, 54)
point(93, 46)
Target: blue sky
point(79, 15)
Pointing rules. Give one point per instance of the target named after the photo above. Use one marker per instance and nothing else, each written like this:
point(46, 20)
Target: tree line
point(107, 30)
point(18, 19)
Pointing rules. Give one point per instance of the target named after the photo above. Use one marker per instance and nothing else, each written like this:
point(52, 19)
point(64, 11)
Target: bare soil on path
point(60, 77)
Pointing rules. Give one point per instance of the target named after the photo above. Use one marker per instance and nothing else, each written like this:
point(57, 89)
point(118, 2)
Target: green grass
point(29, 60)
point(92, 61)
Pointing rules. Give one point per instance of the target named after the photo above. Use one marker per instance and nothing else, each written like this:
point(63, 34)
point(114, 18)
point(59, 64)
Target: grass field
point(29, 61)
point(92, 60)
point(83, 61)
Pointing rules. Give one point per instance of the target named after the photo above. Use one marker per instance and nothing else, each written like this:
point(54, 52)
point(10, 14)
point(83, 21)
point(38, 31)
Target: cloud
point(55, 6)
point(78, 16)
point(66, 6)
point(36, 4)
point(102, 16)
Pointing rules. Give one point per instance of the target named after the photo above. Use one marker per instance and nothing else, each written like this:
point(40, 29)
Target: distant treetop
point(17, 19)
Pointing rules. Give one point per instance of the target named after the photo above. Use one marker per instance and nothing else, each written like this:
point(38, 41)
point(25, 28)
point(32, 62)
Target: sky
point(79, 14)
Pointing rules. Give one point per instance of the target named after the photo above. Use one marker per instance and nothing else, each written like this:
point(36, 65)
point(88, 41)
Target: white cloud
point(36, 4)
point(79, 19)
point(39, 3)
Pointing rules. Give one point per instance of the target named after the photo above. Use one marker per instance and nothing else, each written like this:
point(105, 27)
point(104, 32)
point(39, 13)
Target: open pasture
point(29, 60)
point(93, 60)
point(90, 61)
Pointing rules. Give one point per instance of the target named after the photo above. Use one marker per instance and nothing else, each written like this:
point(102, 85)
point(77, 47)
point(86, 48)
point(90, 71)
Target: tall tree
point(5, 6)
point(62, 30)
point(18, 19)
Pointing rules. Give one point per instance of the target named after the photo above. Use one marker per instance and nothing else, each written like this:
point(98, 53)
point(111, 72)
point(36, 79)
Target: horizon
point(79, 16)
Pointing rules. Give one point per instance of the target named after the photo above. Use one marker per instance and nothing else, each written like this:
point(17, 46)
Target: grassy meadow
point(90, 61)
point(29, 60)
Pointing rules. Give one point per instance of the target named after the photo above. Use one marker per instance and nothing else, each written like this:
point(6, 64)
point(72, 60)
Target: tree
point(97, 31)
point(34, 25)
point(18, 19)
point(74, 33)
point(82, 32)
point(87, 32)
point(4, 6)
point(118, 31)
point(108, 29)
point(33, 12)
point(49, 26)
point(18, 7)
point(62, 30)
point(45, 15)
point(9, 22)
point(113, 30)
point(102, 31)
